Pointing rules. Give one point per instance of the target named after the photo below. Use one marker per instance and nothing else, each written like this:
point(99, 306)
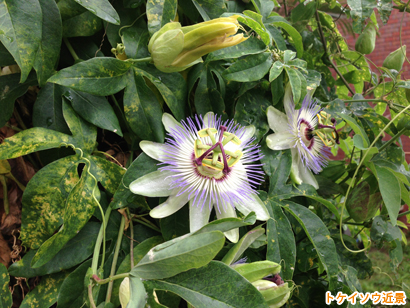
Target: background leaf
point(6, 300)
point(160, 13)
point(102, 9)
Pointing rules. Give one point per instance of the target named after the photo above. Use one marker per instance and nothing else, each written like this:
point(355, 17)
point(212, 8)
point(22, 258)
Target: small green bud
point(367, 40)
point(274, 295)
point(174, 48)
point(125, 292)
point(257, 270)
point(395, 60)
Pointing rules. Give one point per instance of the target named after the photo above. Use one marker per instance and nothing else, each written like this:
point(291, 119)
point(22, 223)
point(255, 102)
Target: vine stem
point(71, 49)
point(115, 259)
point(94, 264)
point(132, 238)
point(393, 139)
point(403, 214)
point(111, 278)
point(322, 37)
point(354, 177)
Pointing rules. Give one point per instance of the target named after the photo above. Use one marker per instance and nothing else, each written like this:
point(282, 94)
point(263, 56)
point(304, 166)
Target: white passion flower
point(307, 132)
point(208, 163)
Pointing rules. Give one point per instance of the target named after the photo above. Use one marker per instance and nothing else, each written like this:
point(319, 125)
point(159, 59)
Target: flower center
point(214, 161)
point(326, 129)
point(306, 133)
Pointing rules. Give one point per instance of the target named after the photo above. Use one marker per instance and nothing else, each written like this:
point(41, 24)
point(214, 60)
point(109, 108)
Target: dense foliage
point(101, 89)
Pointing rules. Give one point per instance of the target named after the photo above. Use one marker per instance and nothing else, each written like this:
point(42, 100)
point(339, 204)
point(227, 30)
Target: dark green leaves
point(159, 13)
point(10, 90)
point(179, 255)
point(102, 9)
point(21, 31)
point(142, 109)
point(210, 9)
point(6, 299)
point(251, 68)
point(98, 76)
point(214, 285)
point(320, 238)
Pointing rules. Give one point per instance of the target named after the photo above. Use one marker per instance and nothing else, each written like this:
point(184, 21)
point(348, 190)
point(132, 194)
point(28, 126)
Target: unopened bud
point(274, 295)
point(257, 270)
point(395, 60)
point(367, 40)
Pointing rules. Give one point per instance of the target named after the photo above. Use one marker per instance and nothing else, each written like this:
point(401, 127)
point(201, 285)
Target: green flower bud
point(363, 204)
point(274, 295)
point(174, 48)
point(395, 60)
point(257, 270)
point(125, 292)
point(367, 40)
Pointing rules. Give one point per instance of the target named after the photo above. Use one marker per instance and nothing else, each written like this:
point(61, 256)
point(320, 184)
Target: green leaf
point(11, 89)
point(277, 37)
point(139, 252)
point(226, 224)
point(360, 11)
point(45, 293)
point(294, 34)
point(256, 26)
point(98, 76)
point(249, 47)
point(5, 300)
point(391, 191)
point(275, 70)
point(210, 9)
point(5, 57)
point(385, 8)
point(215, 285)
point(21, 31)
point(295, 83)
point(281, 240)
point(72, 288)
point(32, 140)
point(142, 109)
point(176, 224)
point(382, 231)
point(356, 128)
point(102, 9)
point(44, 198)
point(135, 39)
point(95, 109)
point(207, 96)
point(238, 249)
point(264, 7)
point(137, 293)
point(159, 13)
point(84, 133)
point(74, 252)
point(49, 49)
point(171, 86)
point(320, 238)
point(303, 11)
point(84, 24)
point(109, 174)
point(80, 206)
point(251, 109)
point(179, 255)
point(48, 109)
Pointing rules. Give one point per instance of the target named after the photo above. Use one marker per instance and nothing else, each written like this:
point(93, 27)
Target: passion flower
point(208, 163)
point(307, 132)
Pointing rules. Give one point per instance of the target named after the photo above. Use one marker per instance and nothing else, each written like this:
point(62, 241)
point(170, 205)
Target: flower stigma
point(215, 161)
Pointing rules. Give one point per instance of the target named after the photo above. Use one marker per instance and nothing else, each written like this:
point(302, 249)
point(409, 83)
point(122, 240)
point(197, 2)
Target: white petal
point(208, 119)
point(288, 100)
point(154, 184)
point(249, 132)
point(198, 215)
point(279, 141)
point(294, 172)
point(278, 121)
point(232, 235)
point(255, 205)
point(170, 206)
point(153, 149)
point(169, 122)
point(307, 176)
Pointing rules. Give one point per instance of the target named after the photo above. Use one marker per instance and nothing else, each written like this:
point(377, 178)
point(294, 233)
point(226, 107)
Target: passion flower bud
point(257, 270)
point(395, 60)
point(174, 48)
point(274, 295)
point(125, 292)
point(367, 40)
